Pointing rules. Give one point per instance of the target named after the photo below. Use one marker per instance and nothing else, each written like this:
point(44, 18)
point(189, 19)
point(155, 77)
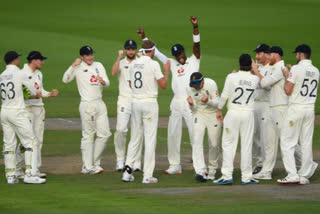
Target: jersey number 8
point(11, 93)
point(138, 79)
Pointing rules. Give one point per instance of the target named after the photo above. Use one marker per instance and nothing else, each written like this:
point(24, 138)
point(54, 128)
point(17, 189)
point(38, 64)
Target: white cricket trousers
point(298, 127)
point(179, 109)
point(95, 122)
point(262, 124)
point(16, 122)
point(237, 122)
point(144, 124)
point(201, 122)
point(278, 116)
point(124, 110)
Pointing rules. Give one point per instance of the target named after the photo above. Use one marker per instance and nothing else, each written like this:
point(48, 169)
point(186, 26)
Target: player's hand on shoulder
point(254, 67)
point(76, 62)
point(234, 71)
point(141, 33)
point(54, 93)
point(194, 21)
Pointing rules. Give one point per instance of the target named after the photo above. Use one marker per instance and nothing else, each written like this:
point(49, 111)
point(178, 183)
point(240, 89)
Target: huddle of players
point(258, 109)
point(22, 115)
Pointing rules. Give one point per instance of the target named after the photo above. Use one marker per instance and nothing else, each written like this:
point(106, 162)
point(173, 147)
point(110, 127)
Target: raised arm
point(69, 75)
point(162, 82)
point(196, 36)
point(160, 56)
point(115, 68)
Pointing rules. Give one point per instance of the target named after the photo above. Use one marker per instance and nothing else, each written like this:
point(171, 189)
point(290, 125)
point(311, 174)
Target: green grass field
point(106, 193)
point(228, 28)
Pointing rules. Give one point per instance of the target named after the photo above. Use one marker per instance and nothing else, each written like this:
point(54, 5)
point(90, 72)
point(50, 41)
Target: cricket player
point(239, 91)
point(145, 76)
point(15, 120)
point(301, 86)
point(278, 108)
point(181, 70)
point(264, 135)
point(91, 78)
point(203, 98)
point(35, 108)
point(121, 69)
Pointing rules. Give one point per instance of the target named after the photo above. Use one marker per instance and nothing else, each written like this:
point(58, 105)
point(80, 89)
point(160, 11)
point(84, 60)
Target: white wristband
point(196, 38)
point(145, 39)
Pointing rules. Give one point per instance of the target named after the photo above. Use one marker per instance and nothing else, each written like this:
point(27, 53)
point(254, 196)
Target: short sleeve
point(157, 71)
point(292, 75)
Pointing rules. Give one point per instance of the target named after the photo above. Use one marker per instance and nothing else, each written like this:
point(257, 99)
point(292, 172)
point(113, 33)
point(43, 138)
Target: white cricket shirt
point(305, 76)
point(276, 81)
point(86, 76)
point(211, 90)
point(239, 89)
point(11, 82)
point(36, 78)
point(144, 74)
point(181, 74)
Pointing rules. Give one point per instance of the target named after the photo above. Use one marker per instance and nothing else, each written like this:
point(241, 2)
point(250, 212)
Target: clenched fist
point(194, 21)
point(76, 62)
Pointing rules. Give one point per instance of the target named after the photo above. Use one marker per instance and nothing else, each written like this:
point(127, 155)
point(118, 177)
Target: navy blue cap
point(130, 44)
point(195, 79)
point(35, 55)
point(86, 50)
point(177, 49)
point(262, 48)
point(277, 49)
point(303, 49)
point(10, 56)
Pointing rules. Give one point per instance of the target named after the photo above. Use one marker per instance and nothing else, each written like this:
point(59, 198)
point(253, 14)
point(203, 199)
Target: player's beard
point(131, 57)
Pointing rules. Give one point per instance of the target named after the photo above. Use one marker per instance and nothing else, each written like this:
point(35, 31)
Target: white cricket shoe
point(150, 180)
point(20, 174)
point(137, 166)
point(304, 181)
point(263, 176)
point(40, 174)
point(173, 170)
point(288, 180)
point(12, 180)
point(28, 179)
point(127, 174)
point(92, 171)
point(211, 175)
point(120, 166)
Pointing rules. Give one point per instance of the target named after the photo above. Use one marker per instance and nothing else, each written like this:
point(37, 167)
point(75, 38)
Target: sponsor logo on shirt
point(36, 85)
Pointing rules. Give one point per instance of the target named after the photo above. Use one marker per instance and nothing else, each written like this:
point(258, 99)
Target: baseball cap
point(262, 48)
point(303, 49)
point(10, 56)
point(130, 44)
point(195, 79)
point(86, 50)
point(35, 55)
point(276, 49)
point(177, 49)
point(245, 60)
